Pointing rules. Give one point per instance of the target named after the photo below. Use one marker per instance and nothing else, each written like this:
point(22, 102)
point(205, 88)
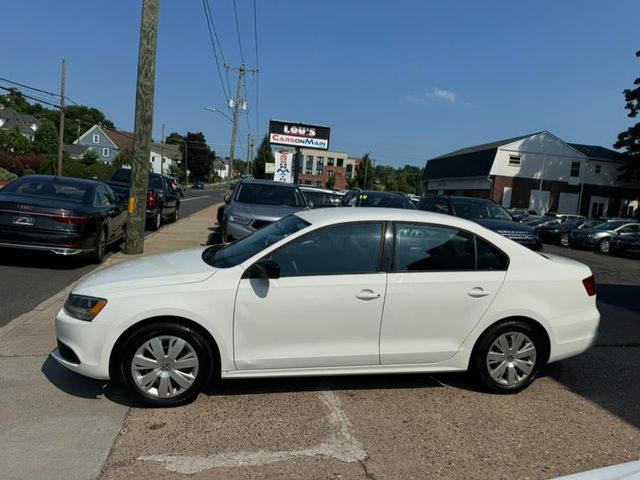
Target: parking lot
point(584, 413)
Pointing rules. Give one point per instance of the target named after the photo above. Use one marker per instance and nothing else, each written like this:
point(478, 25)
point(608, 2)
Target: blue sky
point(405, 80)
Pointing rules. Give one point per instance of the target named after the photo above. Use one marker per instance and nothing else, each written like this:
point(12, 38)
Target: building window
point(309, 169)
point(514, 160)
point(598, 169)
point(96, 138)
point(307, 182)
point(105, 152)
point(330, 173)
point(319, 183)
point(330, 161)
point(340, 162)
point(575, 169)
point(309, 158)
point(319, 165)
point(349, 170)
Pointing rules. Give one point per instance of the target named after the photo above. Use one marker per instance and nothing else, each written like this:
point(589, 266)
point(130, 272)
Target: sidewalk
point(53, 423)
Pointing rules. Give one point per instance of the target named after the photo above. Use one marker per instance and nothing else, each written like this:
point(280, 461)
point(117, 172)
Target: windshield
point(385, 201)
point(237, 252)
point(266, 194)
point(609, 225)
point(479, 209)
point(573, 223)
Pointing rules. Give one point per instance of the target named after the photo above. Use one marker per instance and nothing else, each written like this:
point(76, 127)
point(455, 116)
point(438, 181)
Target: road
point(29, 278)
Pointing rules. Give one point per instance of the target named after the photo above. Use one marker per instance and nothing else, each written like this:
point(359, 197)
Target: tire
point(513, 370)
point(156, 222)
point(175, 215)
point(604, 246)
point(564, 240)
point(165, 385)
point(101, 247)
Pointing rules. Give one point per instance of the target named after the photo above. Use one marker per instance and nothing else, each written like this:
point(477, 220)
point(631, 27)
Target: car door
point(629, 229)
point(324, 310)
point(102, 203)
point(442, 281)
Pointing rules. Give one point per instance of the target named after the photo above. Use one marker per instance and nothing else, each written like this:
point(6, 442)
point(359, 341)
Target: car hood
point(172, 268)
point(261, 212)
point(501, 226)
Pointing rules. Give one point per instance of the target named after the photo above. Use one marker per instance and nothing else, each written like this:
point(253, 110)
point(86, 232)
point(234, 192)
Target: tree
point(630, 138)
point(174, 138)
point(365, 172)
point(123, 158)
point(331, 182)
point(13, 141)
point(199, 155)
point(46, 138)
point(264, 156)
point(89, 157)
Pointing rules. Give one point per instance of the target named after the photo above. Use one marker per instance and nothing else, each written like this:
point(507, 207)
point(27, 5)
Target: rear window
point(322, 199)
point(53, 189)
point(385, 201)
point(265, 194)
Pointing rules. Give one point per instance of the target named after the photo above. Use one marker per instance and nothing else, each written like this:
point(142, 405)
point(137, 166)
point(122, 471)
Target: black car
point(65, 216)
point(375, 198)
point(559, 232)
point(520, 214)
point(624, 246)
point(485, 212)
point(197, 185)
point(601, 236)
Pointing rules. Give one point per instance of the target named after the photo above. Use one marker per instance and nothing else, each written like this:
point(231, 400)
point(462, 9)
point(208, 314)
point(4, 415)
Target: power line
point(39, 100)
point(235, 12)
point(28, 87)
point(211, 28)
point(215, 34)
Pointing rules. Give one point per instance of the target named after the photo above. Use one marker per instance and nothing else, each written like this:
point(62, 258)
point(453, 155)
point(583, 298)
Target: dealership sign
point(298, 135)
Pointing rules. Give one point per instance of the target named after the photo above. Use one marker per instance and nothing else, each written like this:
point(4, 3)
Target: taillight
point(151, 199)
point(590, 285)
point(71, 220)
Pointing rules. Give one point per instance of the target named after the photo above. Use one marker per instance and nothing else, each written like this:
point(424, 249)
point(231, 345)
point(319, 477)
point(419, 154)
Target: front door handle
point(478, 292)
point(367, 294)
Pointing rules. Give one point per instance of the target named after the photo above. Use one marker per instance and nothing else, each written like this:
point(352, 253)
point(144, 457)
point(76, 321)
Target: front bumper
point(583, 242)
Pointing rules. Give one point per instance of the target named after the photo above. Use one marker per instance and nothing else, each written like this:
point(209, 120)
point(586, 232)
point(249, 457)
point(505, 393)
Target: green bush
point(6, 174)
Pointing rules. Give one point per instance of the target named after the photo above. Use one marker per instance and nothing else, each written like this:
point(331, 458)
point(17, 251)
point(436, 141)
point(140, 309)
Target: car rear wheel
point(165, 364)
point(156, 222)
point(604, 245)
point(101, 247)
point(564, 240)
point(508, 357)
point(174, 215)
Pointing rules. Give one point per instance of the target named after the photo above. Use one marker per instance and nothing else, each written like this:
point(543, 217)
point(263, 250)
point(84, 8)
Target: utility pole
point(61, 136)
point(249, 153)
point(143, 127)
point(237, 105)
point(186, 163)
point(162, 152)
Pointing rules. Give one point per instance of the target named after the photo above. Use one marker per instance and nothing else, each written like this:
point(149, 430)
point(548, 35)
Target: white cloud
point(436, 93)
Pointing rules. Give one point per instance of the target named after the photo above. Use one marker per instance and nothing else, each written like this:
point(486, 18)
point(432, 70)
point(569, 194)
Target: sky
point(403, 80)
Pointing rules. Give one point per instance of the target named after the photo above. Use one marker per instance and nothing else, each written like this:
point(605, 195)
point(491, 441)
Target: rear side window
point(428, 248)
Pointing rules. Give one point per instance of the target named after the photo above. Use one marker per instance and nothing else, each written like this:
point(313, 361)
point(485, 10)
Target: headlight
point(240, 220)
point(83, 307)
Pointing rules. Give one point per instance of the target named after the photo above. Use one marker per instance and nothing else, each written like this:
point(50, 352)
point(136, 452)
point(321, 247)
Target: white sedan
point(330, 292)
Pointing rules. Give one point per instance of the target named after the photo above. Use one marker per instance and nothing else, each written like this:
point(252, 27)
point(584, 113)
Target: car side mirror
point(265, 268)
point(227, 198)
point(310, 204)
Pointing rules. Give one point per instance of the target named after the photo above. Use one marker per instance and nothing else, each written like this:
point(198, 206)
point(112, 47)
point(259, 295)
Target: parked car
point(520, 214)
point(456, 297)
point(625, 245)
point(320, 197)
point(256, 203)
point(375, 198)
point(564, 216)
point(599, 237)
point(177, 186)
point(163, 203)
point(485, 212)
point(558, 231)
point(65, 216)
point(197, 185)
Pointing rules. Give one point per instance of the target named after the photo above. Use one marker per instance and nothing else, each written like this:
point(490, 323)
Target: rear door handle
point(367, 294)
point(478, 292)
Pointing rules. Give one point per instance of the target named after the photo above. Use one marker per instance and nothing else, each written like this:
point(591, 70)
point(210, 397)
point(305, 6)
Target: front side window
point(338, 250)
point(427, 248)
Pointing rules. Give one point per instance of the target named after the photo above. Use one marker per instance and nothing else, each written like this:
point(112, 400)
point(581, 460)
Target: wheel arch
point(114, 355)
point(537, 326)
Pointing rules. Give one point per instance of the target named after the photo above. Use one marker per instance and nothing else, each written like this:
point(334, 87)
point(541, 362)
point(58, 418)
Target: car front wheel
point(508, 357)
point(165, 364)
point(604, 245)
point(564, 240)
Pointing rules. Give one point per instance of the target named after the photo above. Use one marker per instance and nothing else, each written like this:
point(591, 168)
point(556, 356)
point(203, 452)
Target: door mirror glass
point(265, 268)
point(227, 198)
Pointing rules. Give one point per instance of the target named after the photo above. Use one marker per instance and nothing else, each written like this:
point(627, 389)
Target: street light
point(215, 110)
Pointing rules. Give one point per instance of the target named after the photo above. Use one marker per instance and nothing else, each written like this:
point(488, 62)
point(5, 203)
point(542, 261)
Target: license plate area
point(25, 220)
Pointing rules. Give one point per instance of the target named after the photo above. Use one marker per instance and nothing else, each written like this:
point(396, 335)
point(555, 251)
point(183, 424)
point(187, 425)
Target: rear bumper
point(59, 243)
point(574, 334)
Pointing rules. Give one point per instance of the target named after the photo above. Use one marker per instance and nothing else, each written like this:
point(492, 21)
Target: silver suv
point(256, 203)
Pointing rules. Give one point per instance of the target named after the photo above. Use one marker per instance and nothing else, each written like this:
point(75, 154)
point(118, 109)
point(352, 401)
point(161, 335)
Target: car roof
point(66, 180)
point(307, 188)
point(460, 197)
point(256, 181)
point(339, 215)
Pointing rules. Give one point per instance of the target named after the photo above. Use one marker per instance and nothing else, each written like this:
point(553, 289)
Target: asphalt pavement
point(29, 278)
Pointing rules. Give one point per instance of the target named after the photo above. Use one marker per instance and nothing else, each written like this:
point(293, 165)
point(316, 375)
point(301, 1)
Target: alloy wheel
point(604, 245)
point(564, 240)
point(511, 359)
point(165, 366)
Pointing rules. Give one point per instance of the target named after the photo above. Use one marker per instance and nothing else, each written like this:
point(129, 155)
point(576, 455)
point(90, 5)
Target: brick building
point(317, 166)
point(537, 171)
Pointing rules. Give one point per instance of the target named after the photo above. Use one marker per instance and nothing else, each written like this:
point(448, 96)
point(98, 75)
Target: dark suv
point(485, 212)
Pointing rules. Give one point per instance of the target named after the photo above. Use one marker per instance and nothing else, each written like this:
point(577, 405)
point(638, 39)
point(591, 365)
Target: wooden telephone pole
point(61, 133)
point(143, 127)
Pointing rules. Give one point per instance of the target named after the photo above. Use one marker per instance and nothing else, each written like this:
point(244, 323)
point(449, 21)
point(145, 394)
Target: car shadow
point(215, 237)
point(83, 387)
point(10, 257)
